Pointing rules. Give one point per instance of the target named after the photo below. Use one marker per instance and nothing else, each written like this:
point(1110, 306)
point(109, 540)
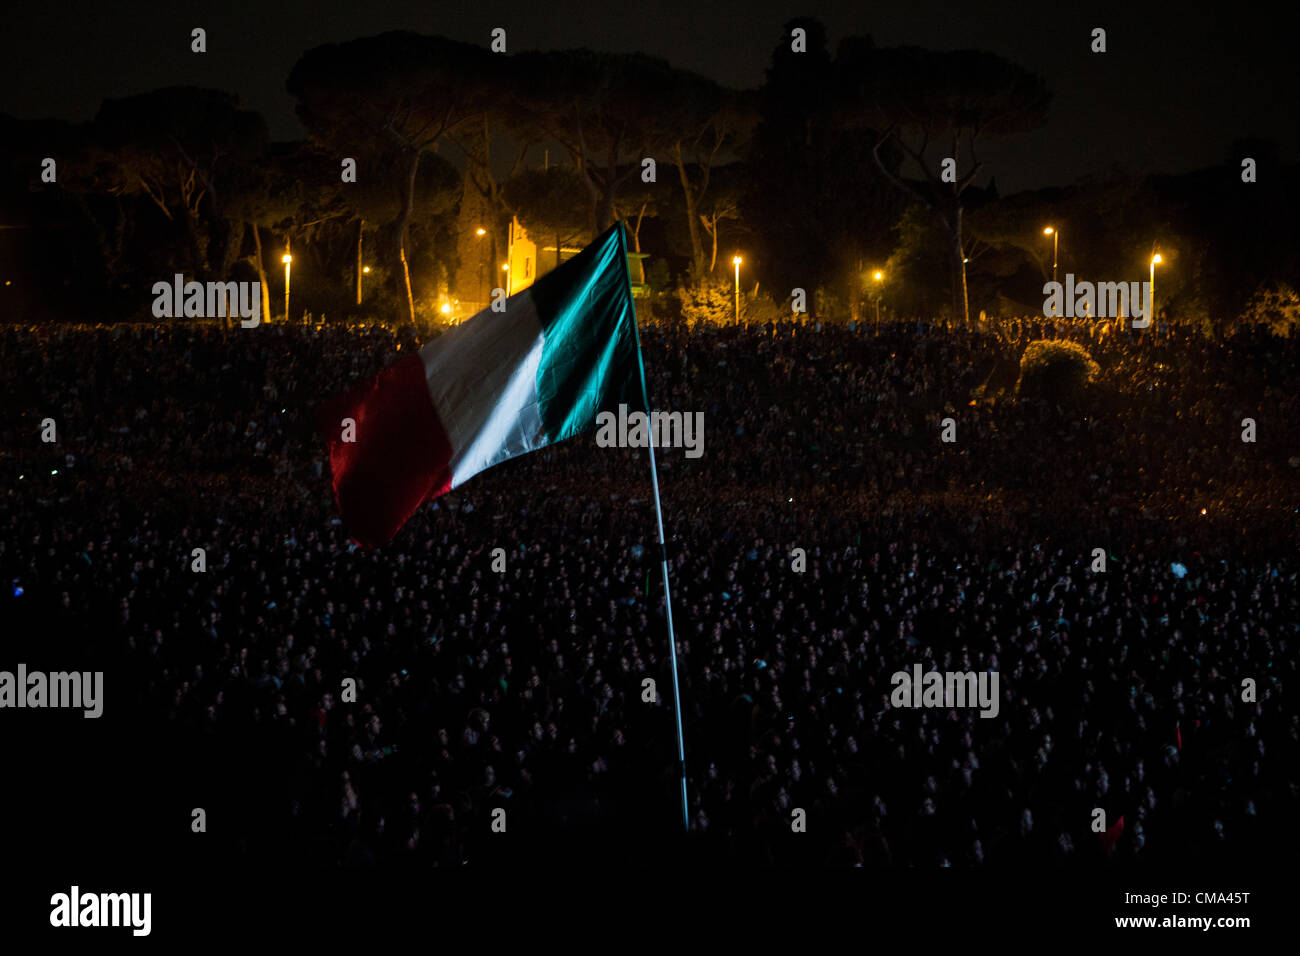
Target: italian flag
point(499, 385)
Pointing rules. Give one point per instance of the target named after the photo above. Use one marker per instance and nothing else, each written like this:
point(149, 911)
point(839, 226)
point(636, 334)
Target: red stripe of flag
point(401, 456)
point(1112, 835)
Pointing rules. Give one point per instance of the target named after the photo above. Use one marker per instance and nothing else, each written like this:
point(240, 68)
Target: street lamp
point(1056, 238)
point(1151, 294)
point(480, 232)
point(736, 261)
point(879, 277)
point(287, 260)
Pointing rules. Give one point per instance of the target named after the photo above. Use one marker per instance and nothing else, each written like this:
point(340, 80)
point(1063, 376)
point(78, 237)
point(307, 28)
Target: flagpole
point(663, 556)
point(668, 606)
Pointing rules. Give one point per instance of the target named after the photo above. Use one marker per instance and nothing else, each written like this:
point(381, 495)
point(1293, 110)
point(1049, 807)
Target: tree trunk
point(965, 298)
point(688, 194)
point(605, 210)
point(402, 277)
point(101, 237)
point(406, 276)
point(960, 309)
point(197, 257)
point(119, 237)
point(234, 244)
point(961, 266)
point(636, 243)
point(957, 271)
point(593, 208)
point(261, 275)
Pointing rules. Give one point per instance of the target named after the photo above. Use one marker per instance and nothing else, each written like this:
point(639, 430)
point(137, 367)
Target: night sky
point(1175, 88)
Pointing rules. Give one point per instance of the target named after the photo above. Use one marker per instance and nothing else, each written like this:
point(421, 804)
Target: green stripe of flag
point(589, 358)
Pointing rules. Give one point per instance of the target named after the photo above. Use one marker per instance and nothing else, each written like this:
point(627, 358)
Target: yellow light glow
point(480, 232)
point(506, 267)
point(879, 276)
point(445, 308)
point(1048, 231)
point(366, 269)
point(1156, 260)
point(286, 258)
point(737, 261)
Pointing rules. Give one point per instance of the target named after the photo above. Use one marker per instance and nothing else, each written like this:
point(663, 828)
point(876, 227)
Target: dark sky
point(1175, 88)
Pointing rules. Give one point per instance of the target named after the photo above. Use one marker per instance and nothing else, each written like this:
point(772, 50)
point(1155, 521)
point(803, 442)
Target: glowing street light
point(879, 277)
point(287, 260)
point(1151, 294)
point(1056, 239)
point(365, 271)
point(480, 232)
point(736, 261)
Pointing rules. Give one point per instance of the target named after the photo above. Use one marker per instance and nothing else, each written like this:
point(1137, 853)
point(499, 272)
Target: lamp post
point(735, 261)
point(482, 292)
point(1151, 294)
point(1056, 238)
point(287, 260)
point(361, 232)
point(879, 277)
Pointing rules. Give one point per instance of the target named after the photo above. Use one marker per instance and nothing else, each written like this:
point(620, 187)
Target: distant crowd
point(1120, 689)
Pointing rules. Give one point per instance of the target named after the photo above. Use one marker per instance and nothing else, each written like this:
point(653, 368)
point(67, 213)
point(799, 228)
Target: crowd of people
point(524, 689)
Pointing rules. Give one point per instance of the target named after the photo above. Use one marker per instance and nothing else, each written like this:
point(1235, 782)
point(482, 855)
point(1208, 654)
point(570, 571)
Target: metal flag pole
point(663, 557)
